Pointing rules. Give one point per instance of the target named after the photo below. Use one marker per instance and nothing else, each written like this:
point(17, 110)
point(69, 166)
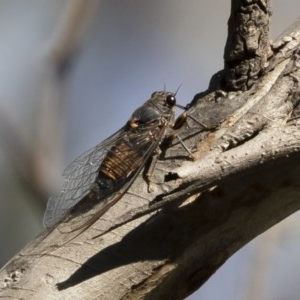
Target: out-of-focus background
point(72, 72)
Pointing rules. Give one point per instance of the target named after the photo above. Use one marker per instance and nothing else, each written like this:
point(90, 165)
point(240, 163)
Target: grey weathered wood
point(245, 180)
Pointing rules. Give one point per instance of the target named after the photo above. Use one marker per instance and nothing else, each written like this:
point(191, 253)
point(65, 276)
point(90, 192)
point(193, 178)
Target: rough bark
point(243, 182)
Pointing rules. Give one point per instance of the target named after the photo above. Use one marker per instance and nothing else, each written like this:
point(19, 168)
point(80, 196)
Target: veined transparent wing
point(81, 174)
point(79, 177)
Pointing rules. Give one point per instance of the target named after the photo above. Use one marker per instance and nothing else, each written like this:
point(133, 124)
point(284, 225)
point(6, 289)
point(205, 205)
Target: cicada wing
point(93, 156)
point(79, 176)
point(75, 224)
point(141, 143)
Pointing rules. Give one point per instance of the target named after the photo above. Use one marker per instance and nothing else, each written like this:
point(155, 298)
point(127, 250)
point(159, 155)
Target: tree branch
point(244, 181)
point(248, 43)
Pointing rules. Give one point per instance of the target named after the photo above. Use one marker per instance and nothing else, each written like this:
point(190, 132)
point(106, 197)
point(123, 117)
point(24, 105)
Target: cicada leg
point(182, 119)
point(179, 122)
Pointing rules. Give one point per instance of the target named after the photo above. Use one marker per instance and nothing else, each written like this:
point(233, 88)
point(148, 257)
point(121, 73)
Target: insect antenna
point(177, 89)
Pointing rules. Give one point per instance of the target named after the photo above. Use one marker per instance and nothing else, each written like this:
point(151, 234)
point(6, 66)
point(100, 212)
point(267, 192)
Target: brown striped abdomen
point(120, 162)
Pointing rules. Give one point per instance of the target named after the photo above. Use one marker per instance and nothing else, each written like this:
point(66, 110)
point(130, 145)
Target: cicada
point(100, 177)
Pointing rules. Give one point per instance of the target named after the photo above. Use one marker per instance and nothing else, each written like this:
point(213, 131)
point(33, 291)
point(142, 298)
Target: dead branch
point(244, 181)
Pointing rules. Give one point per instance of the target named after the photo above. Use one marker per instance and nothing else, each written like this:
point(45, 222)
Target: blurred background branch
point(37, 164)
point(59, 56)
point(63, 63)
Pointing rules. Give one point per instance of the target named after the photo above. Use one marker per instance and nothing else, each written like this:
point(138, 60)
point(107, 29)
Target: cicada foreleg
point(179, 122)
point(182, 119)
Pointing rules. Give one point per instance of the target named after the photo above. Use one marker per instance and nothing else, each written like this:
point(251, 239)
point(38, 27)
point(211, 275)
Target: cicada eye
point(171, 100)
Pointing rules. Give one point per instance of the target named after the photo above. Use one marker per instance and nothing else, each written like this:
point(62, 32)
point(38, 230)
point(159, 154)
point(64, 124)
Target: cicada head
point(164, 103)
point(163, 100)
point(159, 109)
